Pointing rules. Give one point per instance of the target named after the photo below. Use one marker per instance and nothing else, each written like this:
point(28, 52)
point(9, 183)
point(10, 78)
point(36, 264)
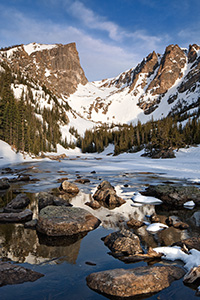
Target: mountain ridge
point(53, 81)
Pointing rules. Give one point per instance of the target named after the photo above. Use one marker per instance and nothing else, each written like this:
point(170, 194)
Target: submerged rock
point(106, 195)
point(174, 195)
point(64, 221)
point(14, 274)
point(134, 282)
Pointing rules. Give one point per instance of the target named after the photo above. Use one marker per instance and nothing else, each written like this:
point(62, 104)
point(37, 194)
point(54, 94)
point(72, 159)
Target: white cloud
point(100, 57)
point(94, 21)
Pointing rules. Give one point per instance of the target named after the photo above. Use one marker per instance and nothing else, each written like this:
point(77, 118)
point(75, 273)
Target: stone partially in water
point(190, 243)
point(17, 204)
point(14, 274)
point(106, 195)
point(124, 242)
point(65, 221)
point(69, 187)
point(174, 195)
point(134, 282)
point(20, 217)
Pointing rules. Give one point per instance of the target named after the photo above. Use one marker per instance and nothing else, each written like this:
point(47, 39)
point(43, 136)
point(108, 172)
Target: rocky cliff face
point(158, 86)
point(55, 66)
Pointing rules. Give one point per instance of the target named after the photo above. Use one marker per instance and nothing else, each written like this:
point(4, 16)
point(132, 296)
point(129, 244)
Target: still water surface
point(64, 263)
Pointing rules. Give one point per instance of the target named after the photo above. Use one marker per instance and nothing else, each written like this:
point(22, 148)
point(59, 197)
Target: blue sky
point(111, 35)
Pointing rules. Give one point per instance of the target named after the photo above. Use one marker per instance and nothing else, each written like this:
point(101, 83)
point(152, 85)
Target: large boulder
point(174, 195)
point(65, 221)
point(124, 242)
point(17, 204)
point(134, 282)
point(16, 217)
point(14, 274)
point(106, 195)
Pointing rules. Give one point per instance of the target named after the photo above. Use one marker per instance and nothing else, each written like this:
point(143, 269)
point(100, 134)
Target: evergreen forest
point(21, 127)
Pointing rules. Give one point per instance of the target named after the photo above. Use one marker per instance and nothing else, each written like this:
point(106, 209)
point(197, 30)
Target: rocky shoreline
point(58, 220)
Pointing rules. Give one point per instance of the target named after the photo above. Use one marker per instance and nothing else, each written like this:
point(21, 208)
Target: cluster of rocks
point(58, 219)
point(142, 281)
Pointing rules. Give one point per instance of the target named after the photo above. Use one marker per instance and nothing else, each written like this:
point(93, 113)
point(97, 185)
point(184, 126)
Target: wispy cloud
point(94, 21)
point(101, 56)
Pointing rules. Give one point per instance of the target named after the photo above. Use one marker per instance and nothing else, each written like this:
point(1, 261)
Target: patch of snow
point(47, 72)
point(146, 200)
point(33, 47)
point(154, 227)
point(175, 253)
point(189, 204)
point(8, 155)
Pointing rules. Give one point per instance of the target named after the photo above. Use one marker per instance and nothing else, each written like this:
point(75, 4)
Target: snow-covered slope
point(157, 86)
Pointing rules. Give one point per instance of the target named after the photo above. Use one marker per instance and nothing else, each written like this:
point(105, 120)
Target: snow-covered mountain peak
point(159, 85)
point(33, 47)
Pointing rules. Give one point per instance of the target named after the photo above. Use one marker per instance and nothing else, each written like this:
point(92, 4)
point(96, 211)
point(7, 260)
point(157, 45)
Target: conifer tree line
point(19, 126)
point(152, 136)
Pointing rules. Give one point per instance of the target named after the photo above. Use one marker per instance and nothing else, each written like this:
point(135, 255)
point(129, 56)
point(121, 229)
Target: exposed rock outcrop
point(55, 66)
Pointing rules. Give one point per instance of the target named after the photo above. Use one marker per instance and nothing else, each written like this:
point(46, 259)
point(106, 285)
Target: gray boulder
point(141, 281)
point(65, 221)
